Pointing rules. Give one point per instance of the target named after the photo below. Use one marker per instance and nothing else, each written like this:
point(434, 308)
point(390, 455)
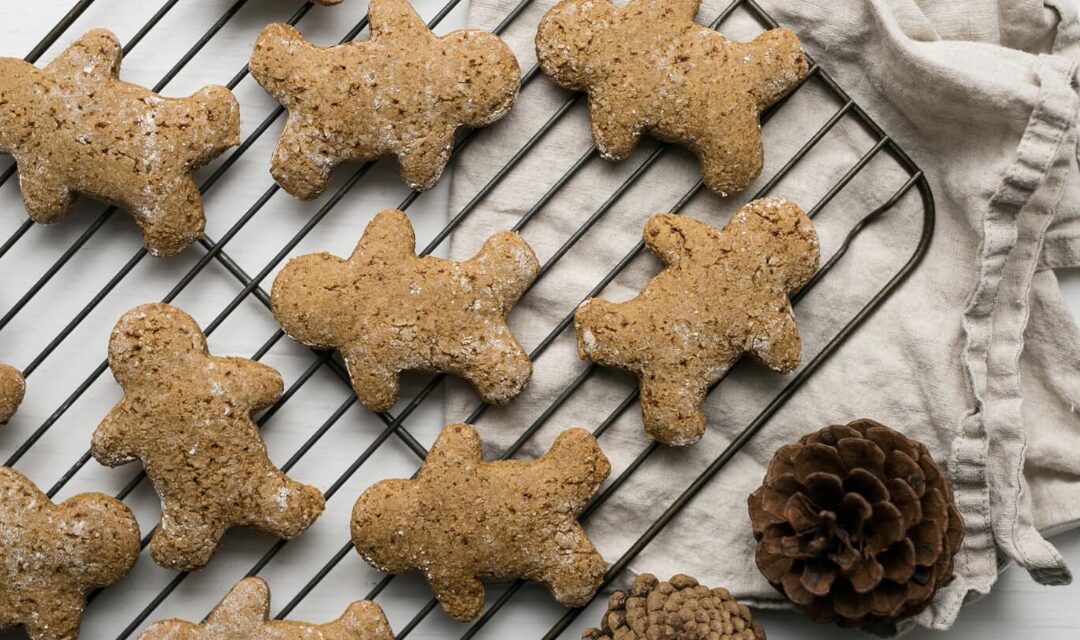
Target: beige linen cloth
point(975, 355)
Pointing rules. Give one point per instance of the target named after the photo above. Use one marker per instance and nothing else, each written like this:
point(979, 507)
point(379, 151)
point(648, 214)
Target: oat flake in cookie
point(387, 311)
point(187, 416)
point(463, 520)
point(52, 555)
point(723, 293)
point(243, 614)
point(648, 67)
point(403, 92)
point(74, 127)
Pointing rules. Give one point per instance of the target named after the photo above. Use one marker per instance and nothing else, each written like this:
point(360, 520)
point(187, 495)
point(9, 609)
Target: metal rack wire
point(394, 425)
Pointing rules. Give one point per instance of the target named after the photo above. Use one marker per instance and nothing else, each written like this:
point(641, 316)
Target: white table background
point(1018, 607)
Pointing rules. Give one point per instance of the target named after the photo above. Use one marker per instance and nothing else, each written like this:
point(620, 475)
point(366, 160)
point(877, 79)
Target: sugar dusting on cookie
point(462, 520)
point(52, 555)
point(187, 416)
point(723, 293)
point(75, 127)
point(403, 92)
point(388, 311)
point(649, 68)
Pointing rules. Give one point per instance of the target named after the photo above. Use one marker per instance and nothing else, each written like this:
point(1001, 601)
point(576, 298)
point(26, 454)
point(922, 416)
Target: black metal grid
point(394, 424)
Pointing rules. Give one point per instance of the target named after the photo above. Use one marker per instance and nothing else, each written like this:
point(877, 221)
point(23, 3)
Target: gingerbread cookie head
point(403, 92)
point(75, 127)
point(243, 614)
point(187, 416)
point(649, 68)
point(387, 311)
point(12, 388)
point(53, 554)
point(723, 293)
point(462, 520)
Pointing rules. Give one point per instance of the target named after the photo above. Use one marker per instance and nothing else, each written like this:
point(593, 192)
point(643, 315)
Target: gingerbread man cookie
point(723, 293)
point(403, 92)
point(52, 555)
point(12, 388)
point(187, 416)
point(74, 127)
point(463, 520)
point(244, 615)
point(648, 67)
point(387, 311)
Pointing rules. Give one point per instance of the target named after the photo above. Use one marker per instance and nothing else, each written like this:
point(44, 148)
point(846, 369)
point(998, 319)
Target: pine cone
point(857, 525)
point(679, 609)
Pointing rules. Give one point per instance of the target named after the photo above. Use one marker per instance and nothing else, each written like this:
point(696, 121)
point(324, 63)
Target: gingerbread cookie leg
point(111, 444)
point(376, 377)
point(63, 619)
point(672, 408)
point(720, 172)
point(282, 507)
point(578, 464)
point(616, 129)
point(185, 540)
point(45, 196)
point(461, 596)
point(422, 162)
point(302, 162)
point(171, 216)
point(777, 344)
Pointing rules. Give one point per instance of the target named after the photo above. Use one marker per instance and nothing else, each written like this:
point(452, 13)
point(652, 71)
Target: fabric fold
point(975, 355)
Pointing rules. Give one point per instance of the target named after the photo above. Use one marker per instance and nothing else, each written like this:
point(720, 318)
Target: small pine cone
point(857, 525)
point(679, 609)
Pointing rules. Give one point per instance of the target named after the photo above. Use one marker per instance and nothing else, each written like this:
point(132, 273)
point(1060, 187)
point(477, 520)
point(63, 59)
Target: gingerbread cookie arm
point(389, 238)
point(504, 253)
point(458, 444)
point(780, 68)
point(114, 441)
point(246, 605)
point(579, 464)
point(363, 620)
point(95, 56)
point(396, 19)
point(684, 9)
point(500, 370)
point(254, 384)
point(671, 236)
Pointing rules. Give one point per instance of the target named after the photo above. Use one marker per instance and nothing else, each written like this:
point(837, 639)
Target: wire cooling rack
point(308, 576)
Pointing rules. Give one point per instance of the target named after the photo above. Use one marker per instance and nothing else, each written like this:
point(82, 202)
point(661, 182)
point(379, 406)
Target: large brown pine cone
point(857, 525)
point(679, 609)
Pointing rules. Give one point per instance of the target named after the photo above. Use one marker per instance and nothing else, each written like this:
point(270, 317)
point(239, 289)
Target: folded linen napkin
point(975, 355)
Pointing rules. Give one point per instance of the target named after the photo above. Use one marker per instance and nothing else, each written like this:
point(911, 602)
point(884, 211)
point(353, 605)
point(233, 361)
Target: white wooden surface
point(1017, 608)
